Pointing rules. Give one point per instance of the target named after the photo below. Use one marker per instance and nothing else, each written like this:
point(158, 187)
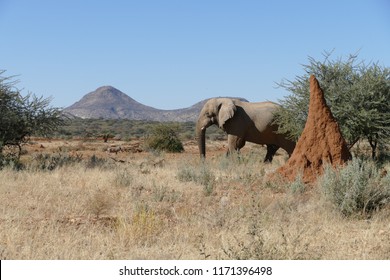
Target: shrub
point(96, 162)
point(53, 161)
point(163, 137)
point(100, 203)
point(297, 186)
point(203, 176)
point(162, 193)
point(10, 161)
point(356, 188)
point(186, 174)
point(123, 178)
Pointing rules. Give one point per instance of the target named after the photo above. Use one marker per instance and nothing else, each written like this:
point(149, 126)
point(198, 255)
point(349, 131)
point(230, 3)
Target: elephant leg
point(271, 150)
point(240, 144)
point(235, 143)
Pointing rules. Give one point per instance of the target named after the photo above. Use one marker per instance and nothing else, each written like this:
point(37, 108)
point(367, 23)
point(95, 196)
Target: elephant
point(243, 121)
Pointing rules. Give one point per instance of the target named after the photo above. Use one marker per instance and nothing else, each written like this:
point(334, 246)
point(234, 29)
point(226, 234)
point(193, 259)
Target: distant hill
point(108, 102)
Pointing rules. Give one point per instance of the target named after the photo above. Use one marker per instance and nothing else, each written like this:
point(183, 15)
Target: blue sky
point(171, 54)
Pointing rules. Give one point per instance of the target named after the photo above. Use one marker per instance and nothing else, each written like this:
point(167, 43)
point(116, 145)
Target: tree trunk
point(373, 144)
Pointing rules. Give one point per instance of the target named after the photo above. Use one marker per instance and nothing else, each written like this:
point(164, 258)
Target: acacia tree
point(373, 106)
point(358, 95)
point(23, 116)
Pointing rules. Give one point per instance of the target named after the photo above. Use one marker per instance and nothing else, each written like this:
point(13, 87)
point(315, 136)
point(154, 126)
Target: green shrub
point(186, 174)
point(53, 161)
point(163, 137)
point(11, 162)
point(162, 193)
point(356, 188)
point(96, 162)
point(297, 186)
point(202, 176)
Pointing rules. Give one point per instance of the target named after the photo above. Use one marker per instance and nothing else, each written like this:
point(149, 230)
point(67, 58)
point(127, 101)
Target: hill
point(108, 102)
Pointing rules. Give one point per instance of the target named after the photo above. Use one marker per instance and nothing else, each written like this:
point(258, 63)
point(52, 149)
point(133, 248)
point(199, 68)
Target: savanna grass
point(122, 212)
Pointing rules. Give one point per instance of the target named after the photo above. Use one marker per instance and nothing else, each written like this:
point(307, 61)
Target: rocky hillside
point(110, 103)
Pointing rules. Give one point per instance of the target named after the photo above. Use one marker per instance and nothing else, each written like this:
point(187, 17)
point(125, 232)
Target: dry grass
point(173, 207)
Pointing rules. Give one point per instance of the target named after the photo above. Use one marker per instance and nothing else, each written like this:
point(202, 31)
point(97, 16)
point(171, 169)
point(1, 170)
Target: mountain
point(108, 102)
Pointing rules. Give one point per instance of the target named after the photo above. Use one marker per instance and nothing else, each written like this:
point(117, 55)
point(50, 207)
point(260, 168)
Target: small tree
point(22, 117)
point(358, 95)
point(373, 106)
point(163, 137)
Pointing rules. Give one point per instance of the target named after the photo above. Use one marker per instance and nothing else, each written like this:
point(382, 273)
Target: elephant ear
point(226, 111)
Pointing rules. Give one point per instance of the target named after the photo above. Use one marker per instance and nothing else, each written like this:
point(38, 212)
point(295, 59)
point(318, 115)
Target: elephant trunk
point(201, 137)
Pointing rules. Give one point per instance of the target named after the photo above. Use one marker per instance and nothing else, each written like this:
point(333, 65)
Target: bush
point(163, 137)
point(187, 174)
point(203, 176)
point(357, 188)
point(96, 162)
point(53, 161)
point(10, 161)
